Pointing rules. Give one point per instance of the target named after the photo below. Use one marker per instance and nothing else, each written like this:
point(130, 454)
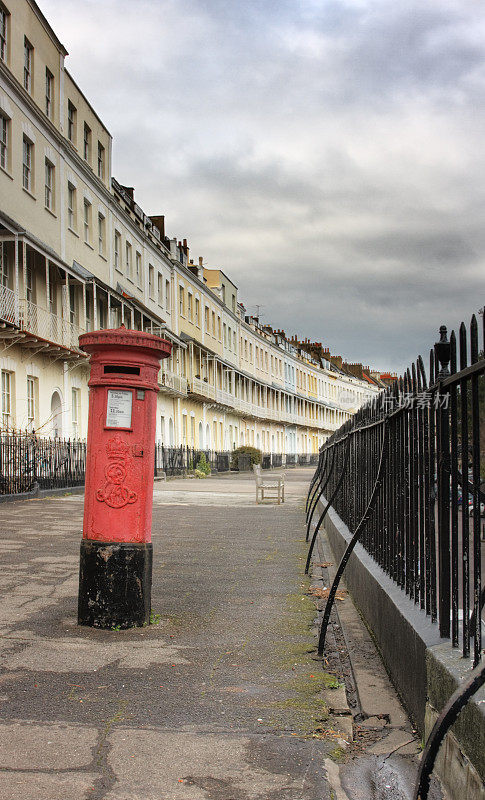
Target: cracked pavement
point(223, 698)
point(215, 702)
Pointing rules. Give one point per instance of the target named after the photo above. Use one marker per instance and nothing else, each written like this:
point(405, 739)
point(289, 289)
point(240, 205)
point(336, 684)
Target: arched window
point(56, 415)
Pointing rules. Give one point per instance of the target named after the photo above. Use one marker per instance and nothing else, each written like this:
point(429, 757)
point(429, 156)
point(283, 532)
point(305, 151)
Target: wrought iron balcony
point(30, 325)
point(203, 388)
point(171, 383)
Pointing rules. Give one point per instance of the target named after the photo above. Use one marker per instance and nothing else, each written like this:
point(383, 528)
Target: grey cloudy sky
point(327, 154)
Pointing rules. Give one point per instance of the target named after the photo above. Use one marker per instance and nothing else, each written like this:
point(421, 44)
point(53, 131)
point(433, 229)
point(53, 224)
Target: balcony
point(34, 327)
point(203, 389)
point(173, 384)
point(226, 398)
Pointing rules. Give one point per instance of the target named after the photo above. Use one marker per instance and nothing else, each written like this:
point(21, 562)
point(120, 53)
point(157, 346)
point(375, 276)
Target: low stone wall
point(40, 493)
point(424, 669)
point(461, 762)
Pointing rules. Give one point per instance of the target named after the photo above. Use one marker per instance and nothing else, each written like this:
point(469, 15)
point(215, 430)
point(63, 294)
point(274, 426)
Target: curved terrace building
point(77, 253)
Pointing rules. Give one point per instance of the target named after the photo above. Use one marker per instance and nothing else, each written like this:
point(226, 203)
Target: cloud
point(328, 156)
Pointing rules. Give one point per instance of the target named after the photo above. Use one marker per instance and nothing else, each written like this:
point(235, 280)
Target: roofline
point(216, 269)
point(35, 8)
point(87, 101)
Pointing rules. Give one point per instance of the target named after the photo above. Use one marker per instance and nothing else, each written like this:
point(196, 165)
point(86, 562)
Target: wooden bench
point(272, 485)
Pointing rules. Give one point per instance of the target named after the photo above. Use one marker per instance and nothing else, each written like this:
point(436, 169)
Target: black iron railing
point(28, 463)
point(179, 460)
point(406, 476)
point(426, 522)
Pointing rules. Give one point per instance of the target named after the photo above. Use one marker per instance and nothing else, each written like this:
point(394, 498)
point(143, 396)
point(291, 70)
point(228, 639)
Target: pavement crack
point(117, 717)
point(107, 777)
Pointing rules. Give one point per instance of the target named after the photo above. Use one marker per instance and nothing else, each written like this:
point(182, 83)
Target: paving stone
point(373, 722)
point(28, 746)
point(392, 741)
point(185, 765)
point(43, 786)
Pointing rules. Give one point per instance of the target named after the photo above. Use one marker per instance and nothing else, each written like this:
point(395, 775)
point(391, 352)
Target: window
point(206, 318)
point(138, 268)
point(160, 289)
point(189, 306)
point(214, 323)
point(234, 341)
point(3, 33)
point(181, 301)
point(71, 122)
point(100, 161)
point(197, 312)
point(117, 250)
point(49, 92)
point(49, 185)
point(31, 404)
point(87, 220)
point(219, 327)
point(71, 206)
point(151, 279)
point(72, 305)
point(128, 259)
point(87, 143)
point(28, 51)
point(27, 165)
point(4, 270)
point(75, 413)
point(101, 314)
point(6, 400)
point(167, 295)
point(101, 233)
point(4, 141)
point(225, 334)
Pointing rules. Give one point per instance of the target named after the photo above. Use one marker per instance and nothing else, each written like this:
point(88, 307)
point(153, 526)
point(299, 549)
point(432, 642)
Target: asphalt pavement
point(221, 697)
point(218, 699)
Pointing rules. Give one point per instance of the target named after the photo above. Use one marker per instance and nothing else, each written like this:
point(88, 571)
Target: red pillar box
point(115, 574)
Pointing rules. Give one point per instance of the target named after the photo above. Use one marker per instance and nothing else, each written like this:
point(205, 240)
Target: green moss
point(304, 710)
point(337, 754)
point(300, 603)
point(292, 654)
point(302, 714)
point(307, 685)
point(331, 681)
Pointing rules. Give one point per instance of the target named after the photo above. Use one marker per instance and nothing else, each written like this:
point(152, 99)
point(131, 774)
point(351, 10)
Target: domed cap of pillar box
point(124, 357)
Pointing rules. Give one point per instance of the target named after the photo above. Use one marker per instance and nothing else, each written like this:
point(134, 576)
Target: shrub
point(255, 454)
point(203, 466)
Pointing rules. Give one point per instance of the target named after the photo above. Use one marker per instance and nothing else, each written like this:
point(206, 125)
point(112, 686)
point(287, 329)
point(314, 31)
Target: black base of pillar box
point(115, 584)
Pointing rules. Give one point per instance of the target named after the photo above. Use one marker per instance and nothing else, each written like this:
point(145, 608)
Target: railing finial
point(442, 350)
